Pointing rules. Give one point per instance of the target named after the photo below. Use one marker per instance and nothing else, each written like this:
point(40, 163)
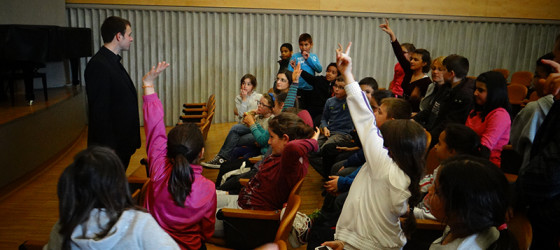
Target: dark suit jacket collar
point(109, 54)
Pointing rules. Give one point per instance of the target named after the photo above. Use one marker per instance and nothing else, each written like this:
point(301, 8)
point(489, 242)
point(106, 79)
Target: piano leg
point(28, 81)
point(75, 70)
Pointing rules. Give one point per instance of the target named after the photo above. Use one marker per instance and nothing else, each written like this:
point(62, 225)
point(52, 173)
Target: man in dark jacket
point(112, 98)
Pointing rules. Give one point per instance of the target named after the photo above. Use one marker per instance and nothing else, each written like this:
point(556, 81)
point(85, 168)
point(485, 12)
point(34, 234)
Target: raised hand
point(344, 63)
point(296, 73)
point(149, 77)
point(293, 63)
point(385, 27)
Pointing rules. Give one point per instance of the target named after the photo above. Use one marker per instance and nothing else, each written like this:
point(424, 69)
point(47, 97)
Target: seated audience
point(322, 90)
point(453, 101)
point(490, 117)
point(415, 82)
point(471, 196)
point(456, 139)
point(96, 210)
point(242, 138)
point(437, 82)
point(247, 98)
point(336, 126)
point(539, 182)
point(338, 186)
point(387, 185)
point(279, 172)
point(181, 200)
point(530, 118)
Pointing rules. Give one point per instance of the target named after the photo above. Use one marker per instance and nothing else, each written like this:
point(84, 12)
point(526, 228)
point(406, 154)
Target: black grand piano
point(26, 48)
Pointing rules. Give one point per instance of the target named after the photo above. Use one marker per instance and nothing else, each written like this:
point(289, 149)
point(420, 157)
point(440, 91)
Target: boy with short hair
point(286, 52)
point(309, 61)
point(336, 126)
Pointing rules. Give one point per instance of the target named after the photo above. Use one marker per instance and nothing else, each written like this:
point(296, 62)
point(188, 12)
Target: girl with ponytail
point(181, 200)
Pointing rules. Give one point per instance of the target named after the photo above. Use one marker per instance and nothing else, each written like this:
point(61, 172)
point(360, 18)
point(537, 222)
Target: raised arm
point(292, 92)
point(397, 49)
point(361, 113)
point(154, 127)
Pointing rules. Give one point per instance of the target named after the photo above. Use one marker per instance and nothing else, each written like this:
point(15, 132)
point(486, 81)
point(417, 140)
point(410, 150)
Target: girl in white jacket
point(387, 184)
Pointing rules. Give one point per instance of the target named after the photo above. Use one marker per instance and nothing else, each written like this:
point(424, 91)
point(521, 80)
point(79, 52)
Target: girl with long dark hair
point(181, 200)
point(490, 118)
point(96, 210)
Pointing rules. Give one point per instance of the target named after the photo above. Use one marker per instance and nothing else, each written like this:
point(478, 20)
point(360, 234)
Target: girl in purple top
point(181, 200)
point(490, 117)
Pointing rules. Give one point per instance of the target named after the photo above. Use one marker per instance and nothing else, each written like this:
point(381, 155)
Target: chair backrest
point(521, 228)
point(522, 77)
point(504, 72)
point(142, 194)
point(281, 245)
point(516, 93)
point(285, 227)
point(297, 187)
point(206, 127)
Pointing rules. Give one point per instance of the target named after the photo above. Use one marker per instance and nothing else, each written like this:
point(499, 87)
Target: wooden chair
point(504, 72)
point(247, 229)
point(140, 194)
point(202, 106)
point(521, 228)
point(522, 77)
point(516, 93)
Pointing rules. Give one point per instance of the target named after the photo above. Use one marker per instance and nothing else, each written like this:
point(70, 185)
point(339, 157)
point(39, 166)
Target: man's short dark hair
point(111, 26)
point(305, 37)
point(458, 64)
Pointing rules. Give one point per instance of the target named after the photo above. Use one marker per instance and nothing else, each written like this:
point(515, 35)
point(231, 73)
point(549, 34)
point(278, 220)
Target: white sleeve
point(364, 122)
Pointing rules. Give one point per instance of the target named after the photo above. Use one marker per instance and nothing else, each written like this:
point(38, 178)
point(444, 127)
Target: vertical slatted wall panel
point(210, 51)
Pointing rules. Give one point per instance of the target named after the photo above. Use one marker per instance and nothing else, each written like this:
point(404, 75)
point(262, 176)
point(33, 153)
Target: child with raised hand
point(415, 82)
point(181, 200)
point(247, 98)
point(471, 196)
point(96, 210)
point(387, 184)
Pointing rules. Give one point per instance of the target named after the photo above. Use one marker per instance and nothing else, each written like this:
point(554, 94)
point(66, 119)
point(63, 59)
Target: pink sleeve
point(497, 123)
point(207, 223)
point(156, 139)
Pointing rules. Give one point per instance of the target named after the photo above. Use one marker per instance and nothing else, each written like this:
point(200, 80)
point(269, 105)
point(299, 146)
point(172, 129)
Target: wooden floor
point(30, 212)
